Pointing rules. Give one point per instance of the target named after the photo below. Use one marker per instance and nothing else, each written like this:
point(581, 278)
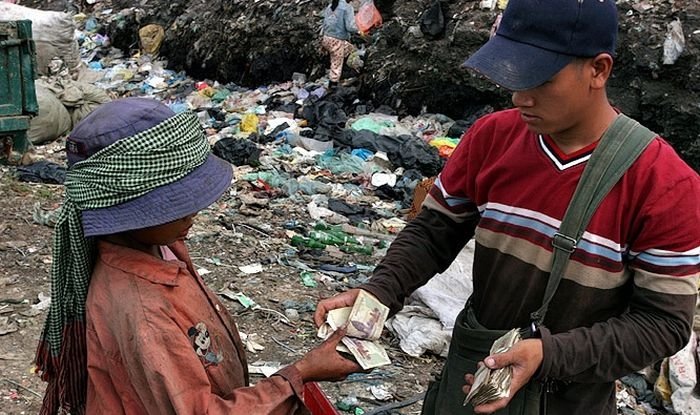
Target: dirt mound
point(253, 43)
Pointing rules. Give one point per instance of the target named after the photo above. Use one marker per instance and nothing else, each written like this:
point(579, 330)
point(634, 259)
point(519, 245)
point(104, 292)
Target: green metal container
point(17, 94)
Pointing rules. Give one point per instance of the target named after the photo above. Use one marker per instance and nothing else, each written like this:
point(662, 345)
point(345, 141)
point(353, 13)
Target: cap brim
point(516, 66)
point(194, 192)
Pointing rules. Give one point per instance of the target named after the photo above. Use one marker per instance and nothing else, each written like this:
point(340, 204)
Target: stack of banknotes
point(490, 385)
point(364, 322)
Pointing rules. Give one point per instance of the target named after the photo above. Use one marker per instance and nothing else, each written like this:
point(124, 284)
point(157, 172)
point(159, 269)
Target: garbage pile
point(322, 178)
point(413, 60)
point(290, 139)
point(329, 174)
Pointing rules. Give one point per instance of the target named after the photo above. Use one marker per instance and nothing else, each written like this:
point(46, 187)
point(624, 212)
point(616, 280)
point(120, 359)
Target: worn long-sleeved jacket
point(628, 294)
point(339, 23)
point(160, 342)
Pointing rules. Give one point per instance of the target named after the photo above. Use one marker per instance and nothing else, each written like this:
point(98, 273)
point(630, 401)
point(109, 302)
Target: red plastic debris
point(316, 400)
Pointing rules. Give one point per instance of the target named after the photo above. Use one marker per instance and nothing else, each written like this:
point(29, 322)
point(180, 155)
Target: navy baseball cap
point(538, 38)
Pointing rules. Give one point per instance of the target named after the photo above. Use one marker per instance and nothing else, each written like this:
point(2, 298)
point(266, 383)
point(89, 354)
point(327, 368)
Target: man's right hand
point(346, 299)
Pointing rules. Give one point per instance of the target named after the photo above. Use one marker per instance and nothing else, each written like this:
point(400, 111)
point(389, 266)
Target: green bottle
point(322, 226)
point(358, 249)
point(300, 241)
point(333, 237)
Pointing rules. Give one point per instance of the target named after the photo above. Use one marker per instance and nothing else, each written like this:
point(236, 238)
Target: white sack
point(682, 374)
point(419, 330)
point(426, 322)
point(447, 293)
point(53, 34)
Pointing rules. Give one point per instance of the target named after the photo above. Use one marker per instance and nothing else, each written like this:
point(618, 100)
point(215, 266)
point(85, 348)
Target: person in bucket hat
point(132, 328)
point(629, 291)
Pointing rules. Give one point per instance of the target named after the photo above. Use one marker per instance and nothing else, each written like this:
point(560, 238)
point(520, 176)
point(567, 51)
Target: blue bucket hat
point(538, 38)
point(124, 118)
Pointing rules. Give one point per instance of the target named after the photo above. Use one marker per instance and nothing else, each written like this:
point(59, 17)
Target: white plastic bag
point(682, 373)
point(674, 44)
point(52, 33)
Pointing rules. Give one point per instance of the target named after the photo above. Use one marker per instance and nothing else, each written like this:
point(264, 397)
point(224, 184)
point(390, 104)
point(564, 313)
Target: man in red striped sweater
point(628, 293)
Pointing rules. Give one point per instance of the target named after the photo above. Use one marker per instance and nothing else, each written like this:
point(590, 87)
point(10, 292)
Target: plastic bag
point(674, 42)
point(151, 37)
point(432, 22)
point(368, 17)
point(249, 123)
point(355, 60)
point(239, 152)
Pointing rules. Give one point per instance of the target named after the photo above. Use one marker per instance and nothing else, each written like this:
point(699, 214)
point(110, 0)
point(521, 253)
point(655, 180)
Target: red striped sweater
point(629, 291)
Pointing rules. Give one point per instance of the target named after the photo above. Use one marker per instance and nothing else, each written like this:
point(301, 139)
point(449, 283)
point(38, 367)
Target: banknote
point(367, 317)
point(368, 353)
point(338, 317)
point(490, 385)
point(334, 320)
point(364, 322)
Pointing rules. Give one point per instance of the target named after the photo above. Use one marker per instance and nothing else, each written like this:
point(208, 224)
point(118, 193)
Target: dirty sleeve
point(425, 247)
point(350, 25)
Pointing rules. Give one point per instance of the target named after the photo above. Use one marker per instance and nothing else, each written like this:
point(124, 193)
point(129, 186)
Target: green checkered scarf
point(120, 172)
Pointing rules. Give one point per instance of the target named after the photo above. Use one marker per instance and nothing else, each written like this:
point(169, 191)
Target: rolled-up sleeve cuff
point(547, 346)
point(293, 376)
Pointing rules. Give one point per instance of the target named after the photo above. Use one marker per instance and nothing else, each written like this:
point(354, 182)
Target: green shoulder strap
point(619, 147)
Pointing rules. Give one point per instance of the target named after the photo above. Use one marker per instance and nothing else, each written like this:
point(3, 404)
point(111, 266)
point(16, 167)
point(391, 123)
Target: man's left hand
point(525, 357)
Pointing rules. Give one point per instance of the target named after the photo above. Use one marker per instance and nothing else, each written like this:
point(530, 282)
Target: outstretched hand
point(324, 363)
point(525, 357)
point(346, 299)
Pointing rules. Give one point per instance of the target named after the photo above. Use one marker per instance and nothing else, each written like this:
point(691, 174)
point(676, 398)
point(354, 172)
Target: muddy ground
point(25, 256)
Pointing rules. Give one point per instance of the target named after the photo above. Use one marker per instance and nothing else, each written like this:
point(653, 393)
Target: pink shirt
point(160, 342)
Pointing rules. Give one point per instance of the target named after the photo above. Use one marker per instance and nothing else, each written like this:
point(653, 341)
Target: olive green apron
point(471, 343)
